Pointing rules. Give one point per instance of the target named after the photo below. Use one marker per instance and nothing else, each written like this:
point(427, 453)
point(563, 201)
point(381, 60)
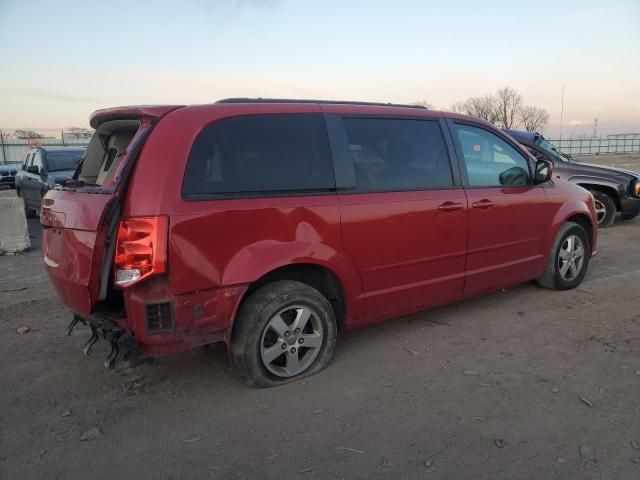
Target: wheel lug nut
point(293, 350)
point(287, 333)
point(297, 330)
point(301, 340)
point(284, 346)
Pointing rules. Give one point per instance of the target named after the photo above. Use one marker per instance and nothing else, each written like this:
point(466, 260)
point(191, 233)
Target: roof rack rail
point(336, 102)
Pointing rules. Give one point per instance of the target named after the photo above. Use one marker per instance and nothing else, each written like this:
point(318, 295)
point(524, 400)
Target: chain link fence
point(611, 144)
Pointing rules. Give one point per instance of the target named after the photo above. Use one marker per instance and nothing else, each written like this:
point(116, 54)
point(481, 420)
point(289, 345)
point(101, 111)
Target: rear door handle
point(450, 206)
point(483, 204)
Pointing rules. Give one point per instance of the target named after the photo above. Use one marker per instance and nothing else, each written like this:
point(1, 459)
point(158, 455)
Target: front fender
point(600, 181)
point(564, 212)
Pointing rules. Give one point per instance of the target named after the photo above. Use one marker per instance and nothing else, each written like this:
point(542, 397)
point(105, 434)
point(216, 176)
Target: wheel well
point(610, 191)
point(316, 276)
point(585, 223)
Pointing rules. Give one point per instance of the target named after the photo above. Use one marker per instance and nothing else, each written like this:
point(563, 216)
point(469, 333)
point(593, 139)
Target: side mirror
point(33, 169)
point(544, 169)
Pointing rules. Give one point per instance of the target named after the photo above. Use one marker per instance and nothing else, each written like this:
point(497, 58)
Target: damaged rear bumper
point(123, 344)
point(154, 322)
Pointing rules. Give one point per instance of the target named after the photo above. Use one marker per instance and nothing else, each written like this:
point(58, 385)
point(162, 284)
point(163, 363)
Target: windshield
point(551, 149)
point(64, 160)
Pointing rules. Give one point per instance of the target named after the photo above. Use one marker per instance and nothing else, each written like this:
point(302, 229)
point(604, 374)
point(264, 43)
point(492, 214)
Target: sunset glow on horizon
point(61, 62)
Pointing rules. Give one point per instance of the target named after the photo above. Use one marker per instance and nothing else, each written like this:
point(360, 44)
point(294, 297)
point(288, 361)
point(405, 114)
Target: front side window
point(391, 154)
point(538, 155)
point(490, 161)
point(260, 154)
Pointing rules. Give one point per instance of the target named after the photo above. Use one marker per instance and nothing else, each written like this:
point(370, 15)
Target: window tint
point(489, 160)
point(397, 154)
point(260, 154)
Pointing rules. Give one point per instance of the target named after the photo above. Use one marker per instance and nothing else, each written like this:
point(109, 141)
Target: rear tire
point(29, 212)
point(605, 209)
point(568, 259)
point(267, 348)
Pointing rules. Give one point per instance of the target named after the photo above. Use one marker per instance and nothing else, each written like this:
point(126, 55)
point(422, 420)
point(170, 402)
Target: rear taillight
point(141, 249)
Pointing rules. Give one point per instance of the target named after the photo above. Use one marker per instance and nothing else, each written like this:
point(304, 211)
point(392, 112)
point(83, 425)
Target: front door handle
point(483, 204)
point(450, 206)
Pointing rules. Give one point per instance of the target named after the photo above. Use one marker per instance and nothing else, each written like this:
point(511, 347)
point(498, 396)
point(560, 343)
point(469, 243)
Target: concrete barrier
point(14, 236)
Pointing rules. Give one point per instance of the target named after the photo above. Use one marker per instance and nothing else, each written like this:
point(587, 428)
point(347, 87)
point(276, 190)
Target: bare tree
point(482, 107)
point(533, 118)
point(457, 107)
point(508, 106)
point(423, 103)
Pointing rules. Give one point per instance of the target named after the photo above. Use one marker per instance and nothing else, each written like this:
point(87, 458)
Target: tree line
point(505, 109)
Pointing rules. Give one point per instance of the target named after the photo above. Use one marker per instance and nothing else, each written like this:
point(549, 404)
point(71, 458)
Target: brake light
point(141, 249)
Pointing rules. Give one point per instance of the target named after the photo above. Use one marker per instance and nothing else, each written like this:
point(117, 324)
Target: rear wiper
point(74, 183)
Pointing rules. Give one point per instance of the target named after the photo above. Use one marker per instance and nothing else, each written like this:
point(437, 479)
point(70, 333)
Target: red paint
point(393, 253)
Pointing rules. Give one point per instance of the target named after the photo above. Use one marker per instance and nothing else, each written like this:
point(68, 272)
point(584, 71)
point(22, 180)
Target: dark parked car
point(614, 189)
point(42, 168)
point(7, 177)
point(270, 225)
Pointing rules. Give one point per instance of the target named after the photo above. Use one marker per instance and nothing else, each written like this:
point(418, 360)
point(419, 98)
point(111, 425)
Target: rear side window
point(260, 154)
point(397, 154)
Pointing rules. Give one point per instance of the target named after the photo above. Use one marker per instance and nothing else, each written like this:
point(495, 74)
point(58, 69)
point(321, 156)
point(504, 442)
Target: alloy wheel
point(601, 210)
point(571, 257)
point(291, 341)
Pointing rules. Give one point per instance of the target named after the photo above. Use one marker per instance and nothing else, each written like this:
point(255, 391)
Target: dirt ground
point(522, 384)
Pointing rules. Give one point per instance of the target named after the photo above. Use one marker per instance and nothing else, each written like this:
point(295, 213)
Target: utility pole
point(561, 110)
point(595, 127)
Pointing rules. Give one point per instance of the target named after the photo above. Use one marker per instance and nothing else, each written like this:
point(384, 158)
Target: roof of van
point(330, 106)
point(323, 102)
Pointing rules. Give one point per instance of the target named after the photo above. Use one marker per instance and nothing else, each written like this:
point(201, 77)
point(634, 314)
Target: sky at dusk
point(63, 59)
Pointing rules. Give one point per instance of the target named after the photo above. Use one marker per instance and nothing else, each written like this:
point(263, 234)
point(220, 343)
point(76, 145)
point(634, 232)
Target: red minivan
point(270, 224)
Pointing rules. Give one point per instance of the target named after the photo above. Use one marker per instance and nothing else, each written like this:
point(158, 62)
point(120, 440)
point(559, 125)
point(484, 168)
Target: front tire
point(568, 260)
point(284, 331)
point(605, 209)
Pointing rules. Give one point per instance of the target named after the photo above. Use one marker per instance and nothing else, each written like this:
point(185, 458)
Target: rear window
point(63, 160)
point(260, 154)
